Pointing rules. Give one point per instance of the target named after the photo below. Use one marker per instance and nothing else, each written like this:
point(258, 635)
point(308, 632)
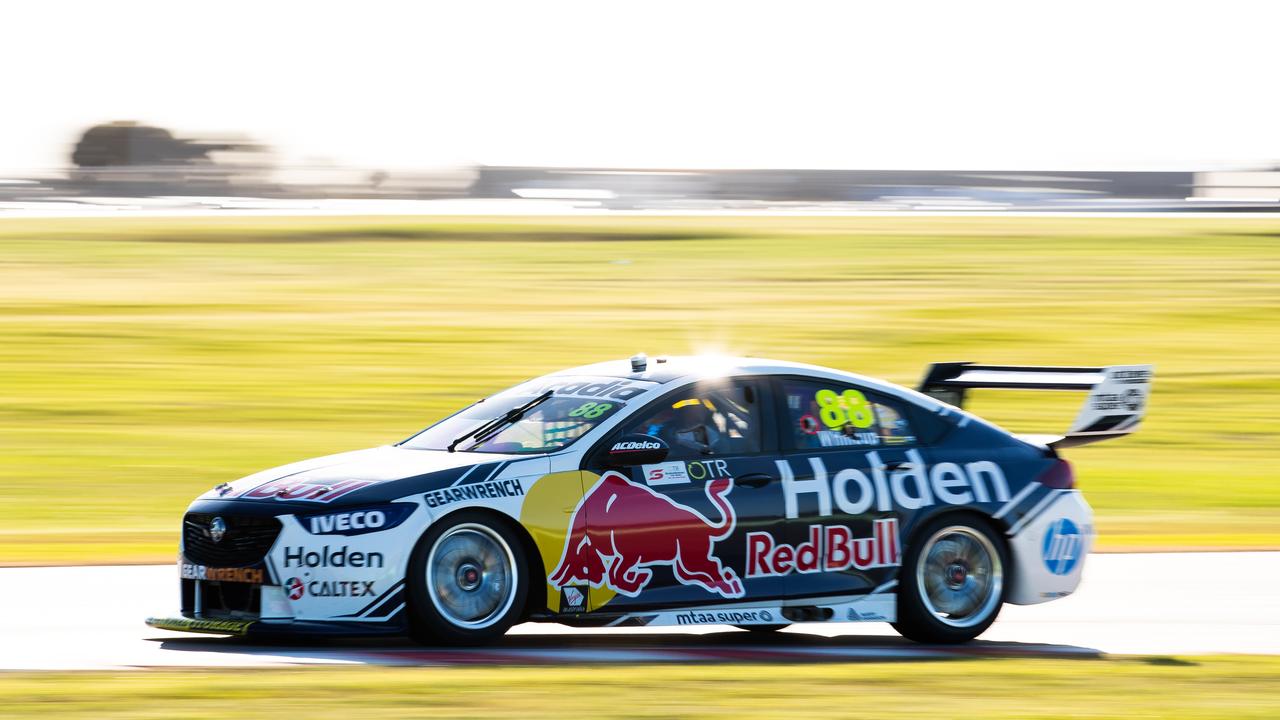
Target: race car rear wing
point(1115, 405)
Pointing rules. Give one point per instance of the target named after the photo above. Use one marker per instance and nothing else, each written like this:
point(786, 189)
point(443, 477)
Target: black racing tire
point(468, 580)
point(763, 629)
point(953, 581)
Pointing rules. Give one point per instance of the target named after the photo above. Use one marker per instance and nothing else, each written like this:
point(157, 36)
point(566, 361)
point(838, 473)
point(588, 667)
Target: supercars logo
point(1130, 400)
point(621, 529)
point(669, 473)
point(1133, 400)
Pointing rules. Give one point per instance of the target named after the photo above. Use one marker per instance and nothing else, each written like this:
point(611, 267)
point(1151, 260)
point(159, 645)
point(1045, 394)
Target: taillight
point(1059, 476)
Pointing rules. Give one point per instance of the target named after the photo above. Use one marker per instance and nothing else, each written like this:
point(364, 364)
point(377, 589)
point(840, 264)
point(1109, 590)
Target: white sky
point(1033, 84)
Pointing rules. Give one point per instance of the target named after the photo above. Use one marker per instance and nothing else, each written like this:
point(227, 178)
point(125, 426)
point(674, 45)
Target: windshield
point(576, 406)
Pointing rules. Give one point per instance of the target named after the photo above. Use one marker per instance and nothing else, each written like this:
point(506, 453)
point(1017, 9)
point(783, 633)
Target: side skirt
point(878, 606)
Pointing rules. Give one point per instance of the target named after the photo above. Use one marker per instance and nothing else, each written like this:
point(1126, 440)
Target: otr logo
point(1062, 544)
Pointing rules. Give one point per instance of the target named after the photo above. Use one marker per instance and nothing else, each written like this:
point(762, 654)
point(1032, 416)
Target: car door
point(851, 467)
point(679, 528)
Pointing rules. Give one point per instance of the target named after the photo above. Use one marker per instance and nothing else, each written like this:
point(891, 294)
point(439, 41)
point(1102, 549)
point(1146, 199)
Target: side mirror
point(632, 450)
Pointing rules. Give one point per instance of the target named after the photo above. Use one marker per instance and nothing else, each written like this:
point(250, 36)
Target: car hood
point(372, 475)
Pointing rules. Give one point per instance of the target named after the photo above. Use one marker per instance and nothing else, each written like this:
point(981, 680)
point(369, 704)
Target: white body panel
point(1048, 553)
point(328, 576)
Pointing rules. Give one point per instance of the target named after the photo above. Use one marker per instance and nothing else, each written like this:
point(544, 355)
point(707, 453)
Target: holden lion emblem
point(217, 529)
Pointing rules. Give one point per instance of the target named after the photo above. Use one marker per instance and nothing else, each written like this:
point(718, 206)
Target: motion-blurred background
point(237, 234)
point(664, 106)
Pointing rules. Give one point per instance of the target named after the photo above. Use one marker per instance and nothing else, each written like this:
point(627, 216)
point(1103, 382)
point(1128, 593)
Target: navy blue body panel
point(825, 522)
point(975, 468)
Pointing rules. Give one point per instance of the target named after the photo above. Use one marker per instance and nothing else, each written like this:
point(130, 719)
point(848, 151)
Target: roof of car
point(666, 369)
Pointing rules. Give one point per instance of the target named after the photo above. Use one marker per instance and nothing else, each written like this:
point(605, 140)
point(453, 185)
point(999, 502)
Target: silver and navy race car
point(678, 491)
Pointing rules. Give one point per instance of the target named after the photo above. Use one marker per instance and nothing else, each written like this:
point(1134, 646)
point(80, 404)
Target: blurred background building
point(136, 160)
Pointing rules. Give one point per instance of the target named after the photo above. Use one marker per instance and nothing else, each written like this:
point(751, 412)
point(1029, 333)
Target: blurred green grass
point(1214, 687)
point(142, 361)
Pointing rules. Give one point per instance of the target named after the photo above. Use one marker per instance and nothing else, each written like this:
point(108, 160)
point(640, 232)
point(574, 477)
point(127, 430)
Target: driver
point(692, 427)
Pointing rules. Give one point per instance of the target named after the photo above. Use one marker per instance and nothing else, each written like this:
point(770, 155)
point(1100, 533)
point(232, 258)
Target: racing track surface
point(108, 207)
point(1174, 603)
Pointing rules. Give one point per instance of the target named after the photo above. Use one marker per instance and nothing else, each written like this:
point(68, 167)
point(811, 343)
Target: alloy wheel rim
point(959, 576)
point(471, 576)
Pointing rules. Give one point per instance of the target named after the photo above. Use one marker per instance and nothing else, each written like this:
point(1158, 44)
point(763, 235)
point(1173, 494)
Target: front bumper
point(319, 572)
point(249, 602)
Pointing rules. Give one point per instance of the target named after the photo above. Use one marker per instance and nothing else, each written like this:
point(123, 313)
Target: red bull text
point(830, 548)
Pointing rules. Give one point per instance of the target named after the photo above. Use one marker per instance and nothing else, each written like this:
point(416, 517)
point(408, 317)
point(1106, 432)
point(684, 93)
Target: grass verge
point(145, 360)
point(1213, 687)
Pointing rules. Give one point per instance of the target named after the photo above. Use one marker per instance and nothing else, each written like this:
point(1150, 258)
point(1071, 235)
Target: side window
point(705, 420)
point(821, 414)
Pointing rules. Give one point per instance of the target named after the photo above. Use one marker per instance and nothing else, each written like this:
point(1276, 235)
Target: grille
point(219, 599)
point(247, 540)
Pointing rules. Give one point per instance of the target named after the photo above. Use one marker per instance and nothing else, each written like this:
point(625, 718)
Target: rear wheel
point(467, 581)
point(952, 582)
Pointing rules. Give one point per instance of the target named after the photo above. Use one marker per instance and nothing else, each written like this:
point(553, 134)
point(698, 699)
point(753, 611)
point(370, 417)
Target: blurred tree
point(129, 143)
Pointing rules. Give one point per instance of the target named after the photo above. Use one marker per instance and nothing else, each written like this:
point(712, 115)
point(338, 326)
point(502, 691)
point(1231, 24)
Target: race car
point(679, 491)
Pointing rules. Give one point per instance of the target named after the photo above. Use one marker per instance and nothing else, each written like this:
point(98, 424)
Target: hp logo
point(1062, 547)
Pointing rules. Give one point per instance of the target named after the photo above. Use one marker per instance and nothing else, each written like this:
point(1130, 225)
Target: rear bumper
point(1049, 550)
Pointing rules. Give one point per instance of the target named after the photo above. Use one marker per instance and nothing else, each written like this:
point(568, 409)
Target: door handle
point(753, 480)
point(896, 465)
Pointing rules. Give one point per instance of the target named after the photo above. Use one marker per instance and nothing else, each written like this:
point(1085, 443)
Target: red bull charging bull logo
point(620, 529)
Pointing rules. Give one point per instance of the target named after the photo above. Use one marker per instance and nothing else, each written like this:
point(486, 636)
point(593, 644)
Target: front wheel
point(952, 582)
point(467, 581)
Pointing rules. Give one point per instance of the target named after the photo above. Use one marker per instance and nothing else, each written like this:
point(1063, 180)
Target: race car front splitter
point(257, 628)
